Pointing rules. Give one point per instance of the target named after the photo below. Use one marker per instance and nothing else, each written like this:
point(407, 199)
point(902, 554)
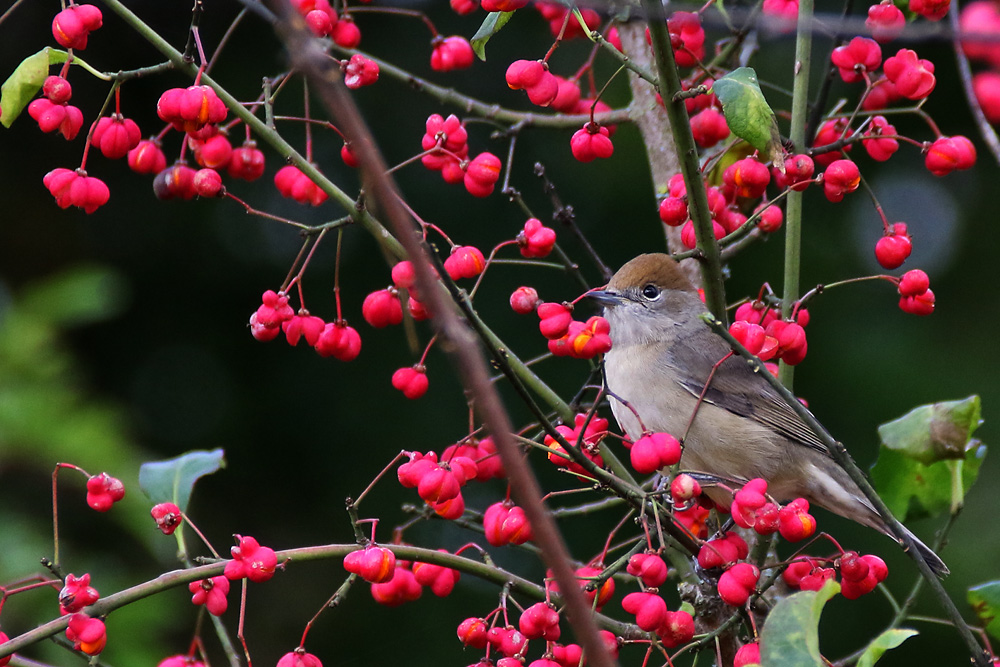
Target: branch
point(680, 127)
point(177, 578)
point(461, 343)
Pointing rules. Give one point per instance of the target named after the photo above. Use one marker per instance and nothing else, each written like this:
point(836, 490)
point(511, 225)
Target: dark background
point(143, 352)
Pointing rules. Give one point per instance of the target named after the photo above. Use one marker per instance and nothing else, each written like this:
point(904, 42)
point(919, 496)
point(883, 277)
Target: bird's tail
point(932, 559)
point(833, 489)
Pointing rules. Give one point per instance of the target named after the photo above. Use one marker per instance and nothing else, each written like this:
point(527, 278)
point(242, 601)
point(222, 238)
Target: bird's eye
point(651, 291)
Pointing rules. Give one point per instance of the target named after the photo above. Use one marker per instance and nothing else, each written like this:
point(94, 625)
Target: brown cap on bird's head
point(655, 268)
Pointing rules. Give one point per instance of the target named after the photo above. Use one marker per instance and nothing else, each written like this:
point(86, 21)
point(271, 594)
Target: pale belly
point(717, 442)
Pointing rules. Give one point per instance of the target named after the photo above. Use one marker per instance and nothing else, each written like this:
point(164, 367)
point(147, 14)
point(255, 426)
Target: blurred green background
point(123, 338)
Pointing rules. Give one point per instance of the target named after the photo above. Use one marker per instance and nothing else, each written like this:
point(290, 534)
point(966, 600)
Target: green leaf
point(790, 636)
point(25, 82)
point(928, 459)
point(985, 600)
point(747, 112)
point(935, 432)
point(80, 295)
point(491, 25)
point(172, 480)
point(889, 639)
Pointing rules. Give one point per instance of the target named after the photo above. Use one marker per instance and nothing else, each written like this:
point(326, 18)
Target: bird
point(659, 364)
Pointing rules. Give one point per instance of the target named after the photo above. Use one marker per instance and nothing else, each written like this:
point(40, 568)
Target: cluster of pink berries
point(545, 89)
point(982, 18)
point(915, 295)
point(439, 481)
point(53, 112)
point(858, 574)
point(539, 621)
point(751, 508)
point(395, 581)
point(762, 331)
point(196, 111)
point(904, 76)
point(744, 182)
point(324, 22)
point(588, 432)
point(250, 561)
point(567, 337)
point(446, 149)
point(329, 339)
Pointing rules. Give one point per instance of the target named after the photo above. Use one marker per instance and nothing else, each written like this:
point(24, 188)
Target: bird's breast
point(718, 441)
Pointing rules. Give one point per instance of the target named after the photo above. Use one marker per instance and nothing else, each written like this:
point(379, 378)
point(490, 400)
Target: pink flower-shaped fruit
point(76, 594)
point(73, 25)
point(251, 561)
point(211, 593)
point(649, 609)
point(103, 491)
point(87, 634)
point(481, 174)
point(299, 658)
point(860, 55)
point(913, 76)
point(167, 516)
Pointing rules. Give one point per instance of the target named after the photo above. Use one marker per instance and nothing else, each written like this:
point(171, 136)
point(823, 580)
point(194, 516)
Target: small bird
point(661, 357)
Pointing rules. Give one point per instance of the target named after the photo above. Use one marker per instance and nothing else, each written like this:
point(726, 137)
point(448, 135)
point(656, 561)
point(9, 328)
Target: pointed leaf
point(492, 24)
point(934, 432)
point(25, 82)
point(913, 490)
point(887, 640)
point(790, 637)
point(928, 460)
point(985, 600)
point(747, 112)
point(172, 480)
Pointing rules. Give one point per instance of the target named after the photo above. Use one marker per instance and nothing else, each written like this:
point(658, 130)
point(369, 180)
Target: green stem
point(177, 578)
point(687, 151)
point(625, 61)
point(797, 133)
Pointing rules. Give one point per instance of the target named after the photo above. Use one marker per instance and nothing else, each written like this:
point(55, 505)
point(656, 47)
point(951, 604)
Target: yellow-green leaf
point(747, 112)
point(21, 86)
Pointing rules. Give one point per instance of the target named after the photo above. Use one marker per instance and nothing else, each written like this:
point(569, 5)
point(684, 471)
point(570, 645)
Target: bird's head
point(646, 297)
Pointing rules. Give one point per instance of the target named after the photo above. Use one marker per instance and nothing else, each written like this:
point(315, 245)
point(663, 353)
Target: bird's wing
point(737, 388)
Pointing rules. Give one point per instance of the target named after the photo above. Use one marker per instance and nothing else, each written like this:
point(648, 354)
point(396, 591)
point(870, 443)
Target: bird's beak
point(605, 297)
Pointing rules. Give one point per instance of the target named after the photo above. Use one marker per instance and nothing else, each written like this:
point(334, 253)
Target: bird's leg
point(701, 396)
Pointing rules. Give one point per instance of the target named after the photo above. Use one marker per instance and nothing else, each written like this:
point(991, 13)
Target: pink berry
point(859, 56)
point(167, 516)
point(892, 249)
point(412, 381)
point(914, 77)
point(886, 21)
point(524, 300)
point(482, 174)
